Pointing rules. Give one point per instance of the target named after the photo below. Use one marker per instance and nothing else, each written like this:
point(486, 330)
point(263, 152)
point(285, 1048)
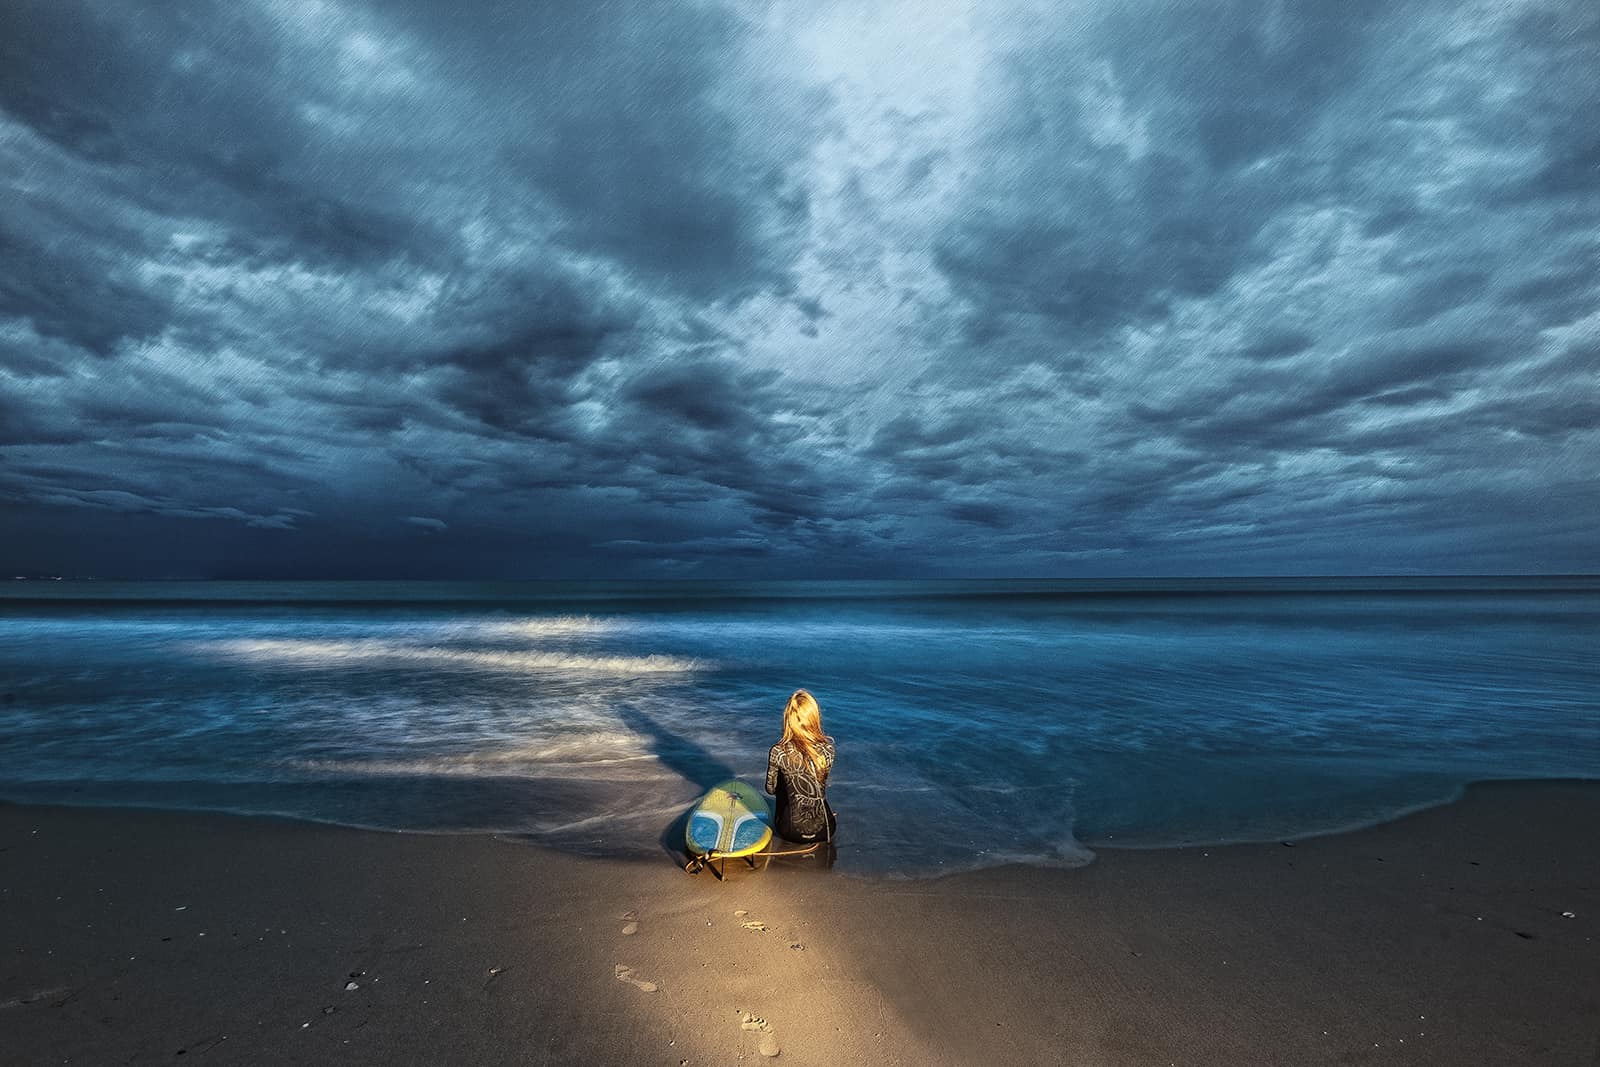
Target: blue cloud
point(704, 289)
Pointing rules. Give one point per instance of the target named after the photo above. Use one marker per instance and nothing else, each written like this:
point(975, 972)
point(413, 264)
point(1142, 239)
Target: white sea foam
point(1068, 851)
point(326, 653)
point(483, 767)
point(546, 761)
point(608, 821)
point(547, 626)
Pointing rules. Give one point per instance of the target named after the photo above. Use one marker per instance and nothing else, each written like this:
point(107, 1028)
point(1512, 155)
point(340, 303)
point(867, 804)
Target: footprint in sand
point(625, 974)
point(630, 922)
point(756, 1024)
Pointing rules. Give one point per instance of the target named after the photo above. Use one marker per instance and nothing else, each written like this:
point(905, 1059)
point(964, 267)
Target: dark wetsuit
point(802, 809)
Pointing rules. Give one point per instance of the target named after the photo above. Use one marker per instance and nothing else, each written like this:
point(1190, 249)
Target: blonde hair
point(802, 725)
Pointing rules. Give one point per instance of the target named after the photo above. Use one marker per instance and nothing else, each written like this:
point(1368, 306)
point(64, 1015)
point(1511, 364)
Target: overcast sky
point(519, 289)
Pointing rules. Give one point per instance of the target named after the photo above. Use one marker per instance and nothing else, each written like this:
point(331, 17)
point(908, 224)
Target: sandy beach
point(1460, 935)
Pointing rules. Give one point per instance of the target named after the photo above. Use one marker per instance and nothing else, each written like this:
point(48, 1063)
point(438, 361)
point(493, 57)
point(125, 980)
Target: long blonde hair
point(802, 725)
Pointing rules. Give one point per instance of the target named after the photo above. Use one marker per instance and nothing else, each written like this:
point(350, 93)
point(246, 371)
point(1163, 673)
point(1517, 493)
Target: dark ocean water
point(977, 722)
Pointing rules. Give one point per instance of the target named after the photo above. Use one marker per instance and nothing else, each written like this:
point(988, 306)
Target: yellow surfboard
point(731, 820)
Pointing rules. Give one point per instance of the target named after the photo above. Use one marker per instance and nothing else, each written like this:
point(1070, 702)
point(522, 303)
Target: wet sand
point(134, 937)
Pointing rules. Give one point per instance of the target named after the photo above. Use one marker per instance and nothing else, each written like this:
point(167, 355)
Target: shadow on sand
point(684, 758)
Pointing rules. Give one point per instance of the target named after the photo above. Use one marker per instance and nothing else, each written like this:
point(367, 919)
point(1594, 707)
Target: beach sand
point(134, 936)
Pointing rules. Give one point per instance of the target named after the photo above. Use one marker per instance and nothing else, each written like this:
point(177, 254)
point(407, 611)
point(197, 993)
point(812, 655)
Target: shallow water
point(977, 722)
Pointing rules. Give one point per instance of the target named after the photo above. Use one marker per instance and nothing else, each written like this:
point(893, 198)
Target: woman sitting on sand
point(797, 773)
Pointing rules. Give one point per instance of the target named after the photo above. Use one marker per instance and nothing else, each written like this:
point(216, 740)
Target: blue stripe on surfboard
point(749, 830)
point(704, 830)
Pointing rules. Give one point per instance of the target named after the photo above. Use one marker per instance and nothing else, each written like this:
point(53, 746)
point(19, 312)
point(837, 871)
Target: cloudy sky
point(518, 289)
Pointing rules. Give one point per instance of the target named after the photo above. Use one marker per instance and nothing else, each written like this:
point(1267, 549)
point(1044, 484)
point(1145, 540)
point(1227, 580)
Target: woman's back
point(801, 790)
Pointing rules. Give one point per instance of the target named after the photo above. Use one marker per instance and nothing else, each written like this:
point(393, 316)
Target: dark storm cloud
point(698, 394)
point(1138, 154)
point(621, 114)
point(1288, 407)
point(699, 421)
point(169, 115)
point(326, 288)
point(520, 383)
point(192, 97)
point(1411, 352)
point(21, 423)
point(70, 287)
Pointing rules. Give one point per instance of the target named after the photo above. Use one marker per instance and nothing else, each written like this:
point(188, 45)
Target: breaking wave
point(388, 653)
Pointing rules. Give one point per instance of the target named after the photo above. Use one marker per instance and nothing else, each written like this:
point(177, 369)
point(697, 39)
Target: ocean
point(977, 722)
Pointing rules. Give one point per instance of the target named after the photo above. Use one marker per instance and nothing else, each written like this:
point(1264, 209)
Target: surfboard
point(729, 821)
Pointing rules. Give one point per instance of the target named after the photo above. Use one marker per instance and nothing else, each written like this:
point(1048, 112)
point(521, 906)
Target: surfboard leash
point(696, 864)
